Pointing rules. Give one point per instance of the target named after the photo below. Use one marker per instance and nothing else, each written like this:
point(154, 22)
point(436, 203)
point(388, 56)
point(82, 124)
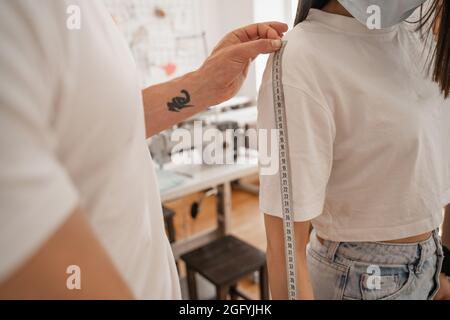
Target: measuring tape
point(285, 169)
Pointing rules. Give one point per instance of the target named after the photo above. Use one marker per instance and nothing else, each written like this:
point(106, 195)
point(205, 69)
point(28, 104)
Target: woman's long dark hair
point(305, 5)
point(437, 18)
point(440, 55)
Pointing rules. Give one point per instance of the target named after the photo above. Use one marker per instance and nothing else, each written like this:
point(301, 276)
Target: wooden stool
point(169, 215)
point(224, 262)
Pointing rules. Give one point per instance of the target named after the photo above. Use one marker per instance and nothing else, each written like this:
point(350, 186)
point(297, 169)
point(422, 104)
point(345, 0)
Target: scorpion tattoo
point(179, 103)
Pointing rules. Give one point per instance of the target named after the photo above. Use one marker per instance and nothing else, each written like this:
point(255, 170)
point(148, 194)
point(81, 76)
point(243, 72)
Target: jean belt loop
point(332, 249)
point(438, 242)
point(418, 268)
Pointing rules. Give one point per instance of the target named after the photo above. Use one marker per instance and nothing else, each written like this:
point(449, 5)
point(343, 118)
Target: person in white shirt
point(369, 152)
point(77, 186)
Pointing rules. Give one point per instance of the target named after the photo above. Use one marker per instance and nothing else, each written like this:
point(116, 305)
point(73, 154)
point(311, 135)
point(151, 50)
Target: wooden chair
point(224, 262)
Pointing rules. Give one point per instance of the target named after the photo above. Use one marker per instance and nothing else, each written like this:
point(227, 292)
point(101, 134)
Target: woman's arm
point(446, 228)
point(276, 259)
point(218, 80)
point(444, 290)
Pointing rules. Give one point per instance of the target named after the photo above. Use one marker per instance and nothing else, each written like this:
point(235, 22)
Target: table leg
point(224, 208)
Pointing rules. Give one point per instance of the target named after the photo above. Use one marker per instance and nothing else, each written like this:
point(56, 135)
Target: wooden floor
point(247, 224)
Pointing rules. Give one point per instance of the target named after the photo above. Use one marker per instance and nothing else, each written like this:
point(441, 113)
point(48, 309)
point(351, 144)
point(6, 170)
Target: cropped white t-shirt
point(369, 131)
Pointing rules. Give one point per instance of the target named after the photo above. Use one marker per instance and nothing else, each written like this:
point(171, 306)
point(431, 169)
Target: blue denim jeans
point(374, 270)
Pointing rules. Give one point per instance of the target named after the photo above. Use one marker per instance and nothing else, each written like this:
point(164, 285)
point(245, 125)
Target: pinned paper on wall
point(165, 36)
point(170, 69)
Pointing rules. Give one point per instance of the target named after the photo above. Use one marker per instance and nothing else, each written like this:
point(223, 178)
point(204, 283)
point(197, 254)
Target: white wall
point(219, 18)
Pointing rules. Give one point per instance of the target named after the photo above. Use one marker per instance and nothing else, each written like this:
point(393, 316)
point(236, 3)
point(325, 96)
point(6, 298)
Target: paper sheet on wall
point(165, 36)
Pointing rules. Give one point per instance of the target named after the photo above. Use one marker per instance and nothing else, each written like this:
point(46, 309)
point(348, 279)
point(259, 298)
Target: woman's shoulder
point(308, 56)
point(301, 56)
point(305, 56)
point(301, 41)
point(304, 63)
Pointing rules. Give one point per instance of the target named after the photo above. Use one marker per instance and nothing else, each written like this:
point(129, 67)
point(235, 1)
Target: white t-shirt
point(73, 134)
point(369, 134)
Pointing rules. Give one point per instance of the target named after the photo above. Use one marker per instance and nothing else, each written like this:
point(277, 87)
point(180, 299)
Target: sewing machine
point(231, 120)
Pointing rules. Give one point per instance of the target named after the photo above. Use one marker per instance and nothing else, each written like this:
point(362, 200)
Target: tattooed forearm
point(164, 103)
point(179, 103)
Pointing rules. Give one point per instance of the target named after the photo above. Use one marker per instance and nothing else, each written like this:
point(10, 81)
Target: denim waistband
point(380, 253)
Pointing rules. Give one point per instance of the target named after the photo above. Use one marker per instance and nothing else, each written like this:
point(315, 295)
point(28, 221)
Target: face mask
point(380, 14)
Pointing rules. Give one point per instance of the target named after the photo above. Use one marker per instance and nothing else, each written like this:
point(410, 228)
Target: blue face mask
point(380, 14)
